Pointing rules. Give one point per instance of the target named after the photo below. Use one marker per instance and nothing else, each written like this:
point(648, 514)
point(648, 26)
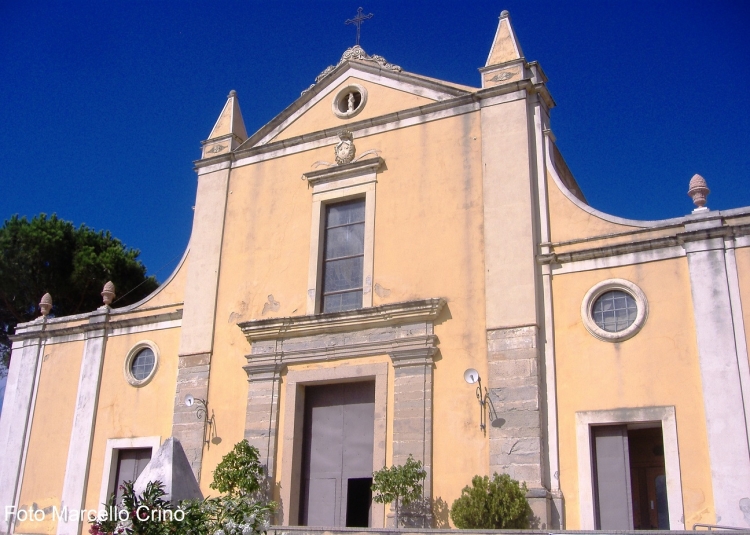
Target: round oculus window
point(141, 363)
point(349, 101)
point(614, 310)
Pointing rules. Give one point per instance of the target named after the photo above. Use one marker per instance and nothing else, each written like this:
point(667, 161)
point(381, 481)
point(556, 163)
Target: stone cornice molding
point(677, 239)
point(98, 321)
point(404, 331)
point(371, 165)
point(335, 322)
point(402, 358)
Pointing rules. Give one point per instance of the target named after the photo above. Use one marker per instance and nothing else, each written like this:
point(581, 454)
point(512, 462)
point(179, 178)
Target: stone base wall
point(515, 416)
point(192, 378)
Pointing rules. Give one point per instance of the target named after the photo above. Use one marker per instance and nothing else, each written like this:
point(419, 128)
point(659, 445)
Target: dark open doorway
point(358, 502)
point(648, 481)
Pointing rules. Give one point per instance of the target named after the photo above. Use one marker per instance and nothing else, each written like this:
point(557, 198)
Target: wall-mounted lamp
point(471, 376)
point(202, 413)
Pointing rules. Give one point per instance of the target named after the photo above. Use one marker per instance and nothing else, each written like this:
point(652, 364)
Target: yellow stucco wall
point(125, 411)
point(173, 289)
point(50, 433)
point(381, 100)
point(426, 205)
point(569, 222)
point(657, 367)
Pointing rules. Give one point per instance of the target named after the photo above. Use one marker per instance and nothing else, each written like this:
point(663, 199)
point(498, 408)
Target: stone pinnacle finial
point(698, 190)
point(232, 93)
point(108, 293)
point(45, 305)
point(504, 14)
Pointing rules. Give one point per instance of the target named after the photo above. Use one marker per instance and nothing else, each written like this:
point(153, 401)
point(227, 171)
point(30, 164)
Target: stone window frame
point(129, 377)
point(111, 455)
point(341, 94)
point(600, 289)
point(338, 184)
point(663, 416)
point(291, 465)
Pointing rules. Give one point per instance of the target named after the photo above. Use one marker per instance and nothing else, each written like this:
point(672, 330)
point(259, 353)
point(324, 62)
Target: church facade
point(393, 266)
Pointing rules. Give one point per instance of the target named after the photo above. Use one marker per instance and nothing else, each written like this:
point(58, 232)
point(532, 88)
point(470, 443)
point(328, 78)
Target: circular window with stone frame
point(141, 363)
point(349, 101)
point(614, 310)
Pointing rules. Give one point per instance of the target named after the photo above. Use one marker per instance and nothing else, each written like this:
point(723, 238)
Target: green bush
point(499, 503)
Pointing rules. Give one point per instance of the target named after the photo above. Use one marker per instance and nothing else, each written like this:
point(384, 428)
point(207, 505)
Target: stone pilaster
point(515, 411)
point(721, 372)
point(87, 399)
point(412, 421)
point(261, 418)
point(192, 378)
point(17, 415)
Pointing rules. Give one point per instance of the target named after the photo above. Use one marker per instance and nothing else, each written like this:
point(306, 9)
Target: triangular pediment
point(385, 91)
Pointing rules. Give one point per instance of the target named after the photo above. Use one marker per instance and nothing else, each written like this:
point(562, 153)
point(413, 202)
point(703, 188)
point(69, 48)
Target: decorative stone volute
point(108, 293)
point(698, 190)
point(45, 305)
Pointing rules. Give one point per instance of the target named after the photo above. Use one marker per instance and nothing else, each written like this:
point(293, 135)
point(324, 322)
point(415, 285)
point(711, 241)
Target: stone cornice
point(371, 165)
point(680, 238)
point(98, 320)
point(336, 322)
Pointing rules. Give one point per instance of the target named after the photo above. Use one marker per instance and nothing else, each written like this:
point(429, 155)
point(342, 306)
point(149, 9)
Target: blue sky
point(104, 104)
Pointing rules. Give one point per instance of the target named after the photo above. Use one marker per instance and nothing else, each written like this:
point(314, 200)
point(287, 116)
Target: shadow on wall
point(417, 514)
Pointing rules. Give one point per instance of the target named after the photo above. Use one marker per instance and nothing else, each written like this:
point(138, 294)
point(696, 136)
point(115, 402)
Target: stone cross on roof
point(357, 21)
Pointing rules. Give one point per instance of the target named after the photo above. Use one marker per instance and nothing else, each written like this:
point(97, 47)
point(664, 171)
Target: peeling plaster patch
point(382, 292)
point(234, 316)
point(271, 306)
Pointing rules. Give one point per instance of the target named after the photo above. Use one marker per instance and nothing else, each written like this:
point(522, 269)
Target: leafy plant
point(400, 484)
point(240, 511)
point(499, 503)
point(239, 473)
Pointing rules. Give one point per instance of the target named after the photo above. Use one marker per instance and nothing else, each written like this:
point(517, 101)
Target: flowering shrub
point(242, 510)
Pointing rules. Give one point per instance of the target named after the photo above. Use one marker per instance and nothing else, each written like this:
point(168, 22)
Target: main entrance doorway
point(337, 455)
point(630, 488)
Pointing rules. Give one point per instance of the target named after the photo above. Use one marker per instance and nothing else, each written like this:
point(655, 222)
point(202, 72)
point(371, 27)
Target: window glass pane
point(342, 301)
point(142, 364)
point(614, 311)
point(342, 274)
point(345, 241)
point(343, 256)
point(345, 212)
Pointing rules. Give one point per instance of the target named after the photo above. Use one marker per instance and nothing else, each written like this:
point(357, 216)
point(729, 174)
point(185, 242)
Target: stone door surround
point(403, 331)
